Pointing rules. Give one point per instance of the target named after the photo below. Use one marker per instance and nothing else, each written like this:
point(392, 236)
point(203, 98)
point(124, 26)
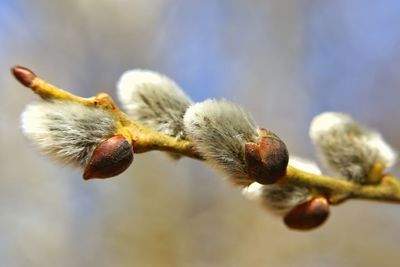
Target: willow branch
point(338, 190)
point(146, 139)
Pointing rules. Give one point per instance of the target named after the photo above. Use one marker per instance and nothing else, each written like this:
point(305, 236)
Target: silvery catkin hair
point(219, 130)
point(348, 147)
point(67, 131)
point(154, 100)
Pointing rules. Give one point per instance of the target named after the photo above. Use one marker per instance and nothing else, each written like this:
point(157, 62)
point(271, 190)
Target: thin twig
point(145, 139)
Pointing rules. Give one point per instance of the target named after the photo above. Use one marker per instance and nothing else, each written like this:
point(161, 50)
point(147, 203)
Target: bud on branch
point(94, 134)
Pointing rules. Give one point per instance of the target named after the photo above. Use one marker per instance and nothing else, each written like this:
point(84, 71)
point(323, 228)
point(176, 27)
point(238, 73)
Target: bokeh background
point(284, 61)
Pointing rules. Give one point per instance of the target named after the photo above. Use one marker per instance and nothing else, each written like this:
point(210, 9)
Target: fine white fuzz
point(154, 100)
point(348, 147)
point(219, 130)
point(280, 198)
point(304, 165)
point(67, 131)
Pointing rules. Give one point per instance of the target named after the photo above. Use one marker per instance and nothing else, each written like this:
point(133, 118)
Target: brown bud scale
point(267, 160)
point(110, 158)
point(308, 215)
point(23, 75)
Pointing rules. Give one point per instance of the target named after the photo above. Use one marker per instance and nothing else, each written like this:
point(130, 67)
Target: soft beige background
point(284, 61)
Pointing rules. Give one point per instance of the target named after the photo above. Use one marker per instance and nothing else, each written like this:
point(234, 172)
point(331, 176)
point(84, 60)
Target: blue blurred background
point(284, 61)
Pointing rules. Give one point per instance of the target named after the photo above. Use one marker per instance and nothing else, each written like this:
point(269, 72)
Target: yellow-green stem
point(145, 139)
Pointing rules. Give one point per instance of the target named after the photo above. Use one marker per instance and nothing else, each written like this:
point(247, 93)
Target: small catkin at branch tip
point(351, 149)
point(24, 75)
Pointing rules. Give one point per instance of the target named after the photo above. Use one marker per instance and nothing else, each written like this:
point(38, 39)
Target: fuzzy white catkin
point(67, 131)
point(348, 147)
point(280, 198)
point(154, 100)
point(219, 129)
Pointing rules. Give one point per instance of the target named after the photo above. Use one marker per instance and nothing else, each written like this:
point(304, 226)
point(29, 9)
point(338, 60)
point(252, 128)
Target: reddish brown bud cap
point(267, 160)
point(23, 75)
point(110, 158)
point(308, 215)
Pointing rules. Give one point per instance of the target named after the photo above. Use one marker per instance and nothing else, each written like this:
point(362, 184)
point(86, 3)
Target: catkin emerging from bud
point(219, 131)
point(154, 100)
point(67, 131)
point(227, 137)
point(281, 198)
point(348, 147)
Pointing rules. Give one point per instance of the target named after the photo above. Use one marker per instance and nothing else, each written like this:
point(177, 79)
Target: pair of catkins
point(222, 133)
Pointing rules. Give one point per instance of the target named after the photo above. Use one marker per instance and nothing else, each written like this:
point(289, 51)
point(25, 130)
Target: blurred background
point(284, 61)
